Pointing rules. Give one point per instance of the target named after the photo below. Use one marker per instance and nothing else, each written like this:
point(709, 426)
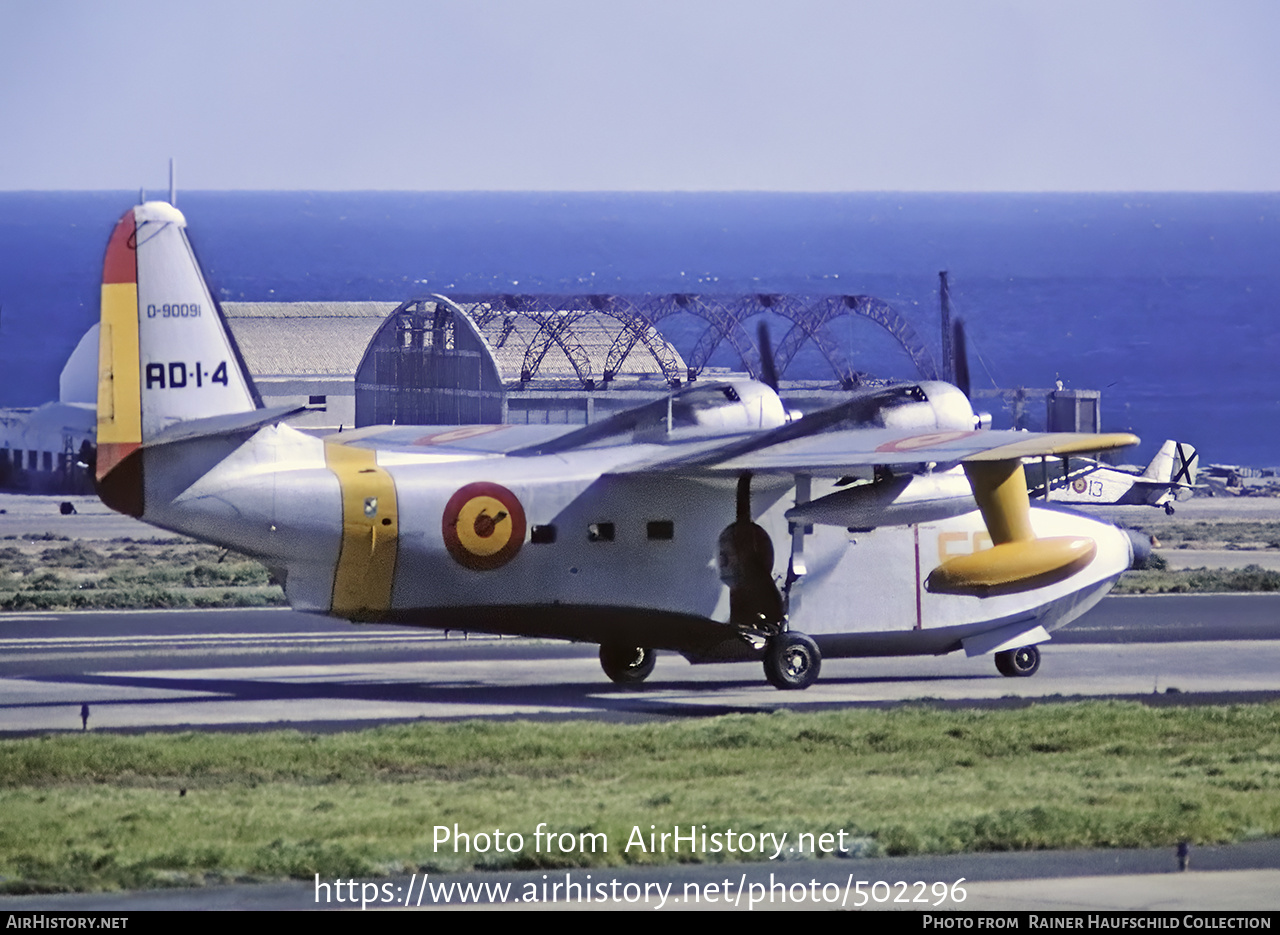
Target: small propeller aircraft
point(1170, 475)
point(713, 522)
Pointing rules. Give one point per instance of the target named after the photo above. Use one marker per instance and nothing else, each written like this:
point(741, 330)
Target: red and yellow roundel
point(916, 442)
point(483, 526)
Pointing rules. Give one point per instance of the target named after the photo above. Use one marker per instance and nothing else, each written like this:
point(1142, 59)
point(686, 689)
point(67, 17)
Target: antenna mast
point(948, 351)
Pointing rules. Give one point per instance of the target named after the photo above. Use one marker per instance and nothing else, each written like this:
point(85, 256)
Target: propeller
point(768, 366)
point(960, 353)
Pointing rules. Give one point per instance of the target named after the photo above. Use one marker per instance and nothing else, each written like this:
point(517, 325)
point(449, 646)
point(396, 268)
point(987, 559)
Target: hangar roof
point(304, 338)
point(297, 339)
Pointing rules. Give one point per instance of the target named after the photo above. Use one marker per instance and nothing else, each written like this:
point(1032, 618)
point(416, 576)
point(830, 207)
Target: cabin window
point(600, 532)
point(662, 529)
point(542, 535)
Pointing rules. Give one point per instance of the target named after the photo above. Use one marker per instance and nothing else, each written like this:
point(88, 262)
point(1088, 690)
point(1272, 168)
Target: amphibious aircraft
point(1083, 481)
point(713, 522)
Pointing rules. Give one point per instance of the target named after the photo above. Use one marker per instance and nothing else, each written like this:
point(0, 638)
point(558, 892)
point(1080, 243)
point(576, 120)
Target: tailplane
point(165, 355)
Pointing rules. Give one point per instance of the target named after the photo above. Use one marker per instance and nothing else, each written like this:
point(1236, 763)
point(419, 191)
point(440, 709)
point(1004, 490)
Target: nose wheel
point(1018, 663)
point(792, 661)
point(627, 665)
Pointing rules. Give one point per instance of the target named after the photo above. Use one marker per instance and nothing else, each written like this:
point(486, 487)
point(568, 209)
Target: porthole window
point(600, 532)
point(661, 529)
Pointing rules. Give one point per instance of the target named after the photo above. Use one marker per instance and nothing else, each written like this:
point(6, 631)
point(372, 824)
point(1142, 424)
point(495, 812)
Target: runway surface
point(259, 668)
point(1236, 878)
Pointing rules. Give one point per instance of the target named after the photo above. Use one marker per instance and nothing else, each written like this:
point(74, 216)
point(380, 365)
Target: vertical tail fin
point(1174, 463)
point(164, 352)
point(1161, 467)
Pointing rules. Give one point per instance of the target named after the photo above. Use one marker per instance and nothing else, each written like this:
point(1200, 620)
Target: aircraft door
point(746, 566)
point(370, 533)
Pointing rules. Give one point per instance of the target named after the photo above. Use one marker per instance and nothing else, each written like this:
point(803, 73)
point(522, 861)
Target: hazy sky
point(940, 95)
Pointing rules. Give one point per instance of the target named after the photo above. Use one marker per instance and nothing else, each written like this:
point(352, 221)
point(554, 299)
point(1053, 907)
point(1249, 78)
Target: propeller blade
point(961, 351)
point(768, 366)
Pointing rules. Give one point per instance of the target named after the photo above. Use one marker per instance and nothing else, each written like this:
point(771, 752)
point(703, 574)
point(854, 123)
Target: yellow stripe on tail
point(118, 475)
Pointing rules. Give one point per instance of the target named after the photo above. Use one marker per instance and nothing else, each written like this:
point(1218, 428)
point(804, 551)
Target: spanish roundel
point(483, 526)
point(916, 442)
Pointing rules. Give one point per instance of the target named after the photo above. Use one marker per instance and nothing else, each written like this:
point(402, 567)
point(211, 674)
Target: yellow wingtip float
point(711, 522)
point(1017, 561)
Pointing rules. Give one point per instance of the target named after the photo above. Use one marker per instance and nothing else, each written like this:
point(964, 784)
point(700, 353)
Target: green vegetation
point(1157, 578)
point(128, 574)
point(1251, 578)
point(1224, 535)
point(87, 811)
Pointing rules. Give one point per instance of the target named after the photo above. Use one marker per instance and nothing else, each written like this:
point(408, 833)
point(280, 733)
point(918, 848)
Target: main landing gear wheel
point(792, 661)
point(627, 665)
point(1018, 663)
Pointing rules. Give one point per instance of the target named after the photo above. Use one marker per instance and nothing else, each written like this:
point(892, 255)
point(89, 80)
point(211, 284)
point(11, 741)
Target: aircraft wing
point(837, 452)
point(530, 440)
point(830, 441)
point(470, 440)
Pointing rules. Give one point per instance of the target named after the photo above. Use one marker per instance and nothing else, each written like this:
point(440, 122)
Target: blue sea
point(1167, 303)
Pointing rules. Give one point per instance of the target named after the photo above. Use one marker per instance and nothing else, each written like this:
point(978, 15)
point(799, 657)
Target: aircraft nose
point(1139, 547)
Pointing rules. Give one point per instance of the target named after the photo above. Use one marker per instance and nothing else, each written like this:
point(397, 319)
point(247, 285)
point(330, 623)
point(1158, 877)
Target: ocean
point(1164, 302)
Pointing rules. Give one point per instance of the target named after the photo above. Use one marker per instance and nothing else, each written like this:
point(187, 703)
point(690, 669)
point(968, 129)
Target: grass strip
point(1250, 579)
point(89, 811)
point(1204, 534)
point(128, 574)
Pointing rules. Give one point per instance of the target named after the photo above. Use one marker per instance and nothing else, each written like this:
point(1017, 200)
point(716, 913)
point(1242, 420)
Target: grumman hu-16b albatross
point(712, 523)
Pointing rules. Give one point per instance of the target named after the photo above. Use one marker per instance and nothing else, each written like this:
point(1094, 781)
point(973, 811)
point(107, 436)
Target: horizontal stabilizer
point(233, 423)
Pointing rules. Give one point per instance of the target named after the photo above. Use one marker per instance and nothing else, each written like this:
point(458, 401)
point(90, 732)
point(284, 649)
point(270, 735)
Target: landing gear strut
point(792, 661)
point(1018, 663)
point(627, 665)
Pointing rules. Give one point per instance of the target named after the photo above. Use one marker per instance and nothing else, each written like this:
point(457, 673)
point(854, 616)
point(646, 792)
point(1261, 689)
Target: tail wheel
point(627, 665)
point(1018, 663)
point(792, 661)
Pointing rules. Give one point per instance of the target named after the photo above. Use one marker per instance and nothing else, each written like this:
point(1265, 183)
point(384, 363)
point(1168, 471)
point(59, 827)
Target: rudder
point(164, 353)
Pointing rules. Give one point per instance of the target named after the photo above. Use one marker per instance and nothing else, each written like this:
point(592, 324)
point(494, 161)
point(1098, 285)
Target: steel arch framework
point(810, 317)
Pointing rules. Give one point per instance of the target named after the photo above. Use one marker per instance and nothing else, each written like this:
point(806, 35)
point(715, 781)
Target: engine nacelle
point(736, 406)
point(943, 408)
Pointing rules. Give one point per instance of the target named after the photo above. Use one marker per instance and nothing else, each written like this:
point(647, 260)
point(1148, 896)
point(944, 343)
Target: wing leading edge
point(834, 453)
